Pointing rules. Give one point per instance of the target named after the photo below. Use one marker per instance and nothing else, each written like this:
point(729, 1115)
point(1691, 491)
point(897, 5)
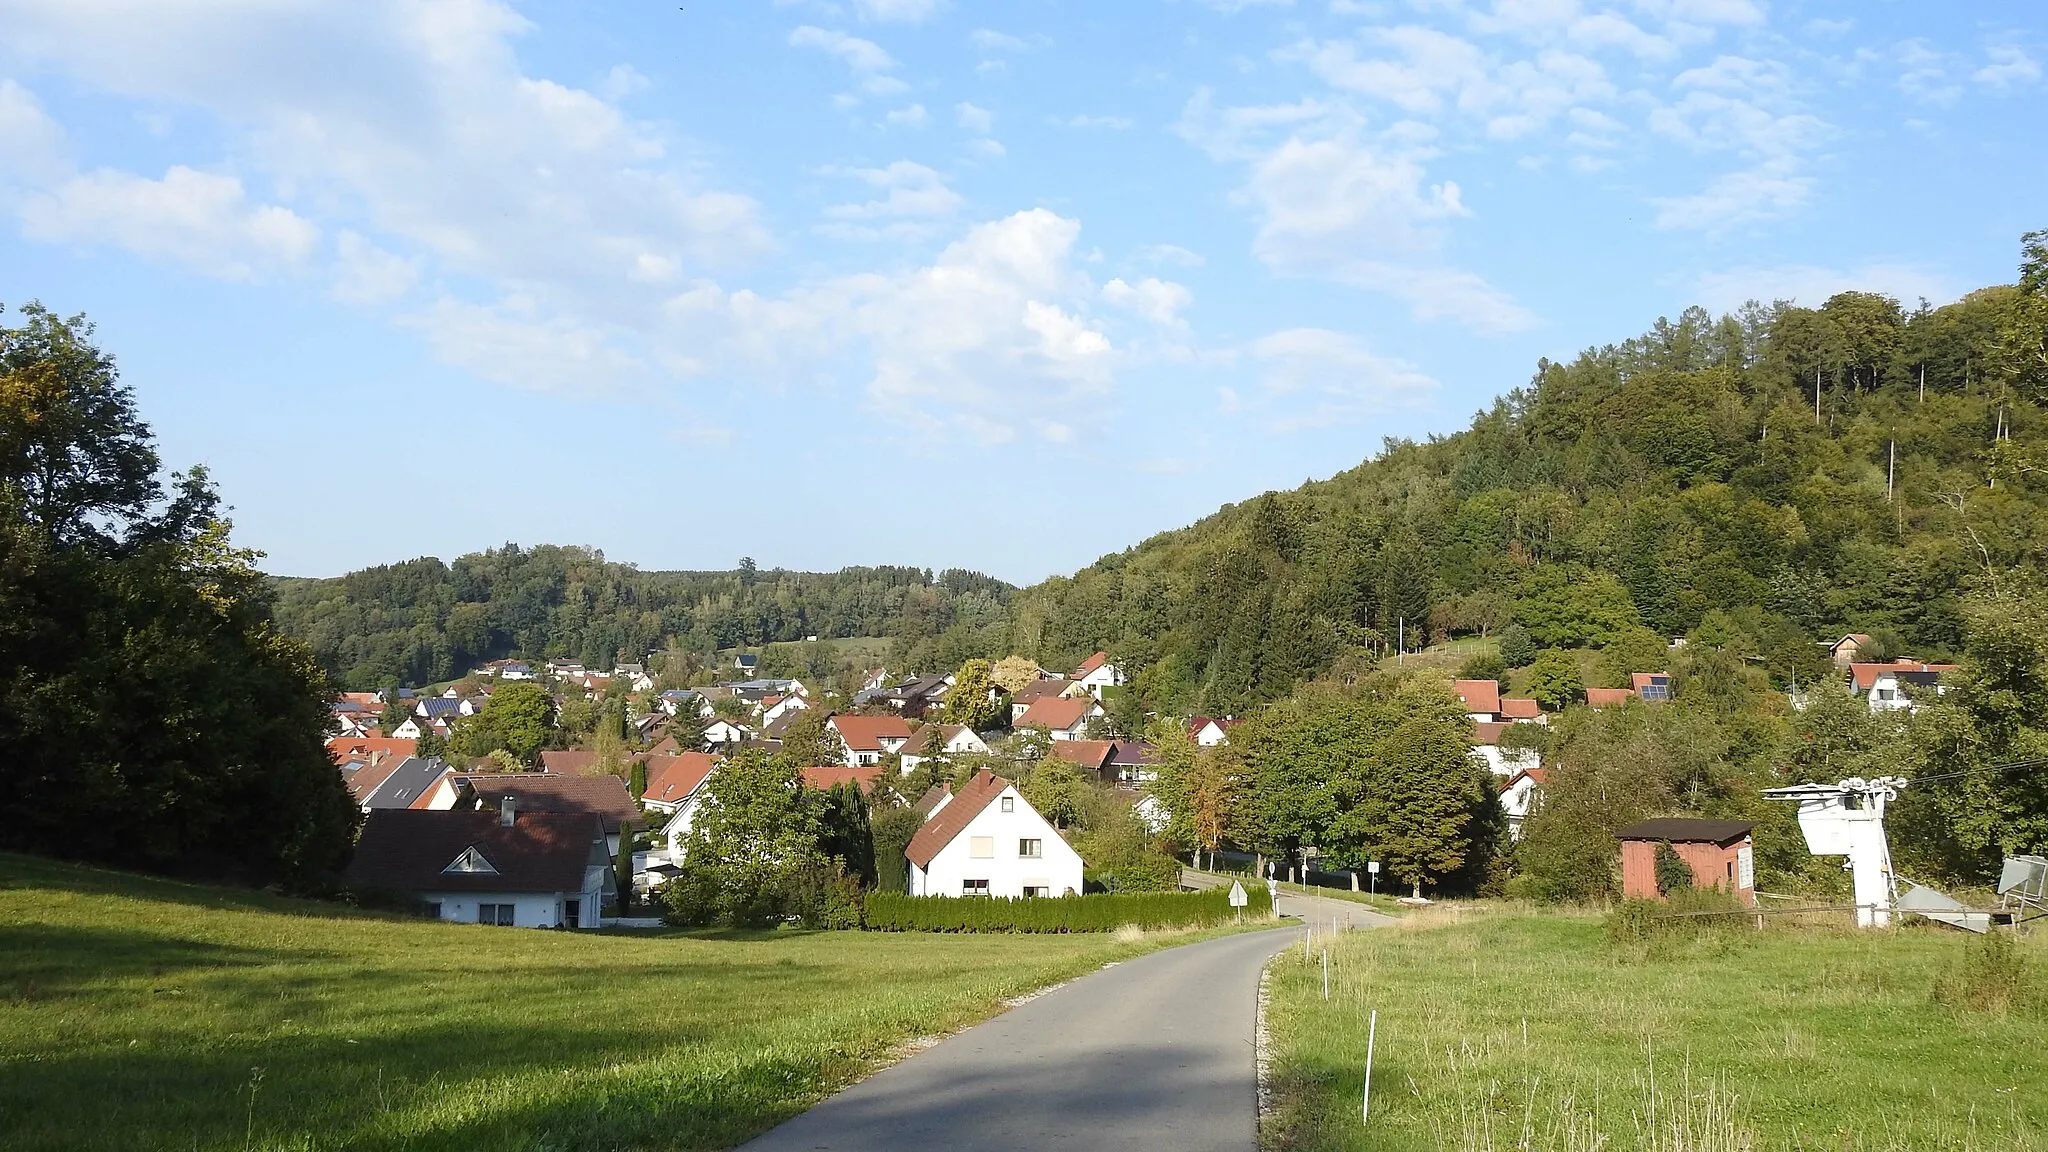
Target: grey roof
point(440, 706)
point(1687, 829)
point(407, 783)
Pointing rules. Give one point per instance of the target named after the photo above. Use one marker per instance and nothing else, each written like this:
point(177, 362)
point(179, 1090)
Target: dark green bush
point(1106, 912)
point(1992, 976)
point(1673, 873)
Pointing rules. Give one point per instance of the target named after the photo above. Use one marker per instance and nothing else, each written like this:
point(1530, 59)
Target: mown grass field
point(1532, 1031)
point(144, 1014)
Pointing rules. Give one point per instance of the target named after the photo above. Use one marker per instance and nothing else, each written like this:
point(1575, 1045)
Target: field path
point(1154, 1054)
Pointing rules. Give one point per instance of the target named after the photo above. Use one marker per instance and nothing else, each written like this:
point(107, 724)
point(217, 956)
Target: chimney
point(505, 812)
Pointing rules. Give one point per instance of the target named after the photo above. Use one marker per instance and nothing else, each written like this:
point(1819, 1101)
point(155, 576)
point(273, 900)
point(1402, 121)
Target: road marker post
point(1326, 971)
point(1372, 1030)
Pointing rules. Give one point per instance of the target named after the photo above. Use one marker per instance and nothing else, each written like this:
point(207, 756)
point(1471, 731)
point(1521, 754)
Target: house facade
point(988, 841)
point(1095, 674)
point(506, 868)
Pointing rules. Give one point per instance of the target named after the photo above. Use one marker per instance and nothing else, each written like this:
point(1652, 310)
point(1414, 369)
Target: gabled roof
point(1040, 690)
point(1687, 830)
point(1089, 754)
point(866, 733)
point(1533, 775)
point(1133, 752)
point(1859, 639)
point(379, 748)
point(1197, 723)
point(1479, 695)
point(1637, 681)
point(672, 779)
point(948, 822)
point(1520, 708)
point(364, 778)
point(1487, 731)
point(826, 777)
point(405, 784)
point(438, 707)
point(601, 796)
point(1091, 664)
point(932, 798)
point(1608, 697)
point(1863, 676)
point(412, 851)
point(1056, 712)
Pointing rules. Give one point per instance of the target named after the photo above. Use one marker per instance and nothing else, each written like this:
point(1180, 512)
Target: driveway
point(1153, 1054)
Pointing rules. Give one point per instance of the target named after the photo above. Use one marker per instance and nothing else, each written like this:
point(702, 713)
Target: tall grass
point(1534, 1031)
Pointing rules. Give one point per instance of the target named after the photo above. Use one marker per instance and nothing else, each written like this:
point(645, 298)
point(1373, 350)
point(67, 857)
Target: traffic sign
point(1237, 897)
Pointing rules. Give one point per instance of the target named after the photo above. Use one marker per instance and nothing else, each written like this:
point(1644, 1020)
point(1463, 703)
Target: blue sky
point(994, 285)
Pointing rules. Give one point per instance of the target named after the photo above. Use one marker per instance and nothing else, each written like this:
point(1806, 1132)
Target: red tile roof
point(824, 778)
point(1090, 664)
point(1040, 690)
point(1479, 695)
point(365, 780)
point(1487, 731)
point(1865, 675)
point(1520, 708)
point(1608, 697)
point(931, 798)
point(1056, 712)
point(404, 850)
point(1535, 774)
point(1637, 681)
point(671, 779)
point(940, 830)
point(866, 733)
point(1089, 754)
point(380, 748)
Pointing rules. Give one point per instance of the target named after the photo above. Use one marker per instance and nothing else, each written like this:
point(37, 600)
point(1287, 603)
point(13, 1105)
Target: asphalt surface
point(1153, 1054)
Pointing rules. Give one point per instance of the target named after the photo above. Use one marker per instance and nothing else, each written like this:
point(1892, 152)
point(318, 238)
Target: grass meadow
point(1525, 1030)
point(146, 1014)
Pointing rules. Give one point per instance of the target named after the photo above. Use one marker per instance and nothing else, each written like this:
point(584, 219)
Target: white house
point(410, 730)
point(954, 739)
point(723, 731)
point(506, 868)
point(1062, 717)
point(1095, 674)
point(1518, 797)
point(1501, 761)
point(1892, 687)
point(988, 841)
point(774, 708)
point(868, 739)
point(1207, 731)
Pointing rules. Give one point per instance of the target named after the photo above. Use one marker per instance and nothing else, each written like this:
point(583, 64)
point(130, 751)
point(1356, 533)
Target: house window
point(1009, 803)
point(1031, 848)
point(572, 913)
point(499, 914)
point(981, 847)
point(1031, 890)
point(974, 887)
point(431, 910)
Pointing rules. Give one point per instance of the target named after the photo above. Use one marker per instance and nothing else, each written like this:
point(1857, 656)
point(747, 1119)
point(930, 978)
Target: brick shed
point(1719, 852)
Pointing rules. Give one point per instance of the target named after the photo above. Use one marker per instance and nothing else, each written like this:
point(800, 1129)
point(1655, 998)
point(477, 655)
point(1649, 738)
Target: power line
point(1986, 770)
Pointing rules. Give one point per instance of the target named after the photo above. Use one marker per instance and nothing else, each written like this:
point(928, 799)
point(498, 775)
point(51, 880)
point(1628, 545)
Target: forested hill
point(1681, 481)
point(425, 620)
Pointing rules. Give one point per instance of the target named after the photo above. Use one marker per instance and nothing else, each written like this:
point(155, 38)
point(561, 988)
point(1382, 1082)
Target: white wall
point(1507, 761)
point(532, 909)
point(1059, 869)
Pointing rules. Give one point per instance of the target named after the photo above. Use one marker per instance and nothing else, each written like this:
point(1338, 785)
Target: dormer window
point(471, 861)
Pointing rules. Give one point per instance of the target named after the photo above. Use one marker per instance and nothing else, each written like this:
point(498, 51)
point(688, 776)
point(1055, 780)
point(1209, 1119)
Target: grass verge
point(1530, 1030)
point(140, 1013)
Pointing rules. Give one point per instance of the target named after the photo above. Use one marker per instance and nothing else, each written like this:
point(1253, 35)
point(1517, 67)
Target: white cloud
point(517, 343)
point(1811, 285)
point(1745, 107)
point(896, 11)
point(1924, 73)
point(202, 219)
point(913, 197)
point(985, 147)
point(622, 81)
point(1159, 301)
point(1235, 6)
point(912, 117)
point(990, 40)
point(1000, 315)
point(1314, 377)
point(974, 118)
point(1170, 254)
point(1425, 71)
point(863, 56)
point(1113, 123)
point(1766, 192)
point(368, 275)
point(2010, 66)
point(33, 144)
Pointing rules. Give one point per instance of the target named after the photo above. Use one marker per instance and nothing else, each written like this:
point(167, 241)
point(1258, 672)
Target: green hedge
point(1102, 912)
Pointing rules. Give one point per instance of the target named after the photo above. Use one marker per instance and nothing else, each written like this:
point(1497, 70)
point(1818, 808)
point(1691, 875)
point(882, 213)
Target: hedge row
point(1101, 912)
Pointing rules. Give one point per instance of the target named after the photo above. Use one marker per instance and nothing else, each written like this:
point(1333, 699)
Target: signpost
point(1238, 899)
point(1372, 868)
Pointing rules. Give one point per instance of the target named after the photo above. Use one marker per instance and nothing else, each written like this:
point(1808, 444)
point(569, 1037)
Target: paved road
point(1150, 1055)
point(1319, 911)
